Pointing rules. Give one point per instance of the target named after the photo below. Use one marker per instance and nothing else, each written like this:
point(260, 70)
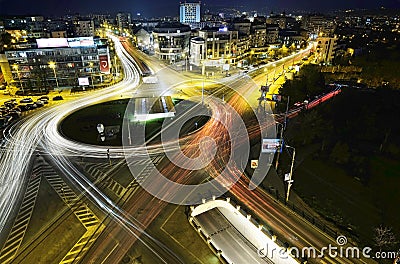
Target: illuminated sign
point(254, 164)
point(65, 42)
point(52, 43)
point(270, 145)
point(83, 81)
point(80, 42)
point(104, 64)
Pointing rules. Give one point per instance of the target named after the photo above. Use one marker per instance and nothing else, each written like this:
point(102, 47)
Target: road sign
point(100, 128)
point(287, 176)
point(254, 164)
point(271, 145)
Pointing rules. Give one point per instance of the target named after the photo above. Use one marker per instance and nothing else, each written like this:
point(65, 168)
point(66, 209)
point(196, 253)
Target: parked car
point(23, 108)
point(39, 103)
point(26, 100)
point(14, 115)
point(32, 106)
point(45, 97)
point(19, 93)
point(44, 101)
point(58, 98)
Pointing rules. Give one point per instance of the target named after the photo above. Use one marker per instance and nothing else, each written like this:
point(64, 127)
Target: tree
point(311, 127)
point(384, 237)
point(6, 38)
point(314, 79)
point(340, 153)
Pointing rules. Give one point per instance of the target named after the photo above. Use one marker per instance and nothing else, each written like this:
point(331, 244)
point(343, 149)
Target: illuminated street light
point(52, 65)
point(91, 73)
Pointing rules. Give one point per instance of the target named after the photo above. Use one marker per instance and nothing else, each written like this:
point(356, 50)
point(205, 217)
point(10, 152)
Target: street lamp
point(15, 67)
point(202, 88)
point(289, 180)
point(52, 65)
point(91, 73)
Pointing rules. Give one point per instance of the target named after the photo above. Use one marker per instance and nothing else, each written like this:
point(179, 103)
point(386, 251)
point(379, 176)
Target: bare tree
point(384, 237)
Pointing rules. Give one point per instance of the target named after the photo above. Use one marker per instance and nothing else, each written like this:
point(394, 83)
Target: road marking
point(21, 223)
point(112, 250)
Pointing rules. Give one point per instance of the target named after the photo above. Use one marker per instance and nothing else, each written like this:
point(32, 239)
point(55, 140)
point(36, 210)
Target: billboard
point(52, 42)
point(270, 145)
point(104, 64)
point(83, 81)
point(65, 42)
point(80, 42)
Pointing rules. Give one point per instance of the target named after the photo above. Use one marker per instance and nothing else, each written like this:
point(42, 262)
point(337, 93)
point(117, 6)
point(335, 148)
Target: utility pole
point(286, 113)
point(202, 89)
point(281, 142)
point(290, 181)
point(108, 156)
point(282, 129)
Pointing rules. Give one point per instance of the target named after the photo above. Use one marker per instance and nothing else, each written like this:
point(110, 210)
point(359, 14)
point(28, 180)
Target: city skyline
point(171, 8)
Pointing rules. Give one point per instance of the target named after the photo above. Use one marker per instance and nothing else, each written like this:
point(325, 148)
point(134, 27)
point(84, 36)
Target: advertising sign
point(226, 67)
point(52, 42)
point(104, 64)
point(270, 145)
point(80, 42)
point(83, 81)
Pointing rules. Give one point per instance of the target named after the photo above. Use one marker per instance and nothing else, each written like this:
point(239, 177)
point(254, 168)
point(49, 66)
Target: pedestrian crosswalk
point(147, 167)
point(17, 233)
point(82, 212)
point(70, 198)
point(100, 172)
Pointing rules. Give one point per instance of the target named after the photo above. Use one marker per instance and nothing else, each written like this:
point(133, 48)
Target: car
point(9, 105)
point(14, 115)
point(32, 106)
point(23, 108)
point(39, 103)
point(6, 92)
point(3, 87)
point(19, 93)
point(58, 98)
point(17, 109)
point(44, 97)
point(26, 100)
point(3, 122)
point(44, 101)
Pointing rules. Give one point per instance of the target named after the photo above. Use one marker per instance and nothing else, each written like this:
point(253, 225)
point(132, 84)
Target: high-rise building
point(84, 28)
point(326, 49)
point(171, 41)
point(190, 12)
point(123, 20)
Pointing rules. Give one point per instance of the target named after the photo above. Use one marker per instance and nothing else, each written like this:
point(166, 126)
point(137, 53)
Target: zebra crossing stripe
point(21, 223)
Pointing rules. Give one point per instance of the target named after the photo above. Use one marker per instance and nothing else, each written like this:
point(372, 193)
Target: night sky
point(152, 8)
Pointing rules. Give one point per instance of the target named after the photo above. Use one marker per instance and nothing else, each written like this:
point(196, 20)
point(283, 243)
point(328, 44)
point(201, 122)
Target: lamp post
point(52, 65)
point(203, 71)
point(282, 129)
point(15, 67)
point(91, 73)
point(290, 181)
